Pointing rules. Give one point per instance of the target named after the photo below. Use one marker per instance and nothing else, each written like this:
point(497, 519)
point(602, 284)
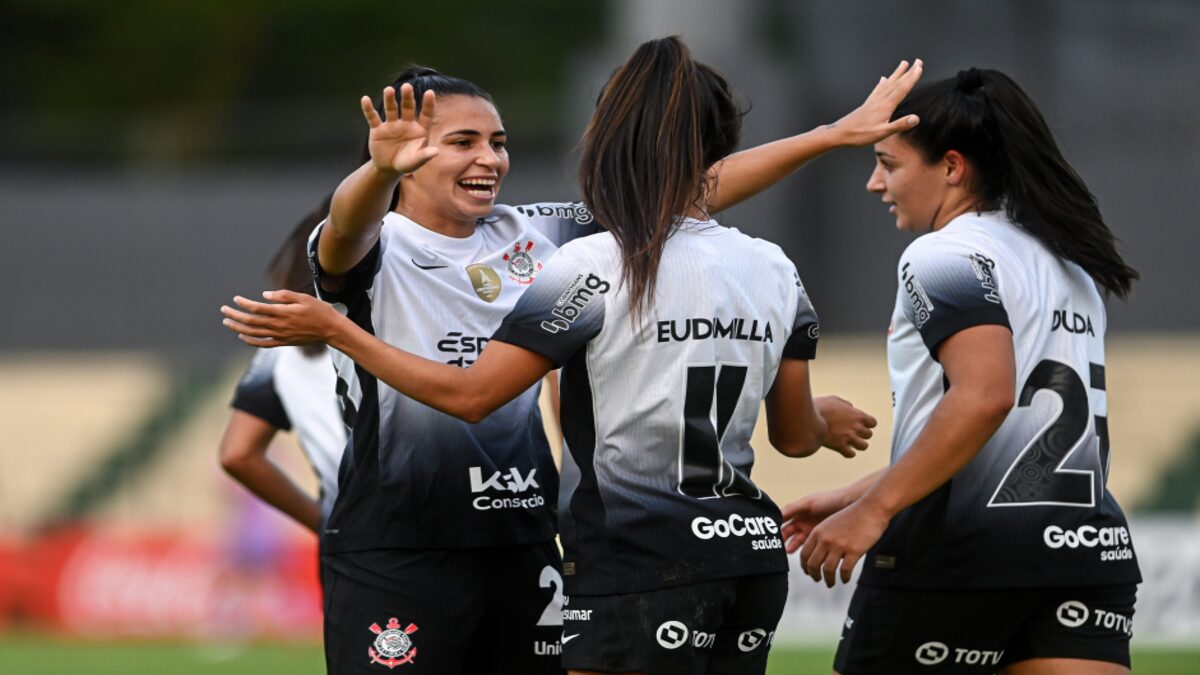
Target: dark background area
point(153, 154)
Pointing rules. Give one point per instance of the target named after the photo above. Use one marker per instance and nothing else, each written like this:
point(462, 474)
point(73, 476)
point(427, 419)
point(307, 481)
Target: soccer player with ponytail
point(991, 543)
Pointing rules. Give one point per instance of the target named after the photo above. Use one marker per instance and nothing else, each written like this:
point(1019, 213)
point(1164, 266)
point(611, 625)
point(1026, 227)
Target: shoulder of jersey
point(762, 249)
point(979, 233)
point(589, 246)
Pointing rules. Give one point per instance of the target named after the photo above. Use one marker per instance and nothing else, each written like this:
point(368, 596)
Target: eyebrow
point(473, 133)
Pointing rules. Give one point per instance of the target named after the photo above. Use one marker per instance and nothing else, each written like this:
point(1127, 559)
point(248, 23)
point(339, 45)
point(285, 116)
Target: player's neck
point(435, 222)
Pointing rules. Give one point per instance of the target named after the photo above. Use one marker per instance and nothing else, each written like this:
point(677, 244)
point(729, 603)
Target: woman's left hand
point(840, 541)
point(289, 318)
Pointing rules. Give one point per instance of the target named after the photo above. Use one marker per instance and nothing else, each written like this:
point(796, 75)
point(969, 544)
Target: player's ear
point(957, 168)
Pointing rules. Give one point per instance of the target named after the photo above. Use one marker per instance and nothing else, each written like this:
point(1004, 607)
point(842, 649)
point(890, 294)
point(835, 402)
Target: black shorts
point(896, 631)
point(484, 611)
point(722, 627)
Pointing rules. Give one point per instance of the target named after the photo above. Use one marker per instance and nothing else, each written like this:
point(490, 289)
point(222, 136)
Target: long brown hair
point(661, 122)
point(988, 118)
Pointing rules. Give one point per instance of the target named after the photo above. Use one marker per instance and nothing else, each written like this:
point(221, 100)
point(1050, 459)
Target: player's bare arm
point(243, 455)
point(794, 426)
point(398, 144)
point(744, 174)
point(499, 375)
point(979, 364)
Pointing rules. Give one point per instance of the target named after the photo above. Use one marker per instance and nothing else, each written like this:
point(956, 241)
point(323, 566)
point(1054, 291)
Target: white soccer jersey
point(658, 416)
point(1031, 509)
point(293, 390)
point(418, 478)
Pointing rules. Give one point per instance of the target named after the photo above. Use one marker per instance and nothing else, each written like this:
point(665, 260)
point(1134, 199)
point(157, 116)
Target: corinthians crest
point(522, 266)
point(393, 646)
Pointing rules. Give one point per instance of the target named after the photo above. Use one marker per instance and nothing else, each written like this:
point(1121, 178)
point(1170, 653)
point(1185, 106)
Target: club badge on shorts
point(393, 646)
point(484, 280)
point(522, 266)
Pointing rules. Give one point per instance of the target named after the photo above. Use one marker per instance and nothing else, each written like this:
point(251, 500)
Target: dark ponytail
point(985, 115)
point(661, 122)
point(425, 79)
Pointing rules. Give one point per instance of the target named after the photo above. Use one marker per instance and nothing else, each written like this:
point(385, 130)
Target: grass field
point(43, 656)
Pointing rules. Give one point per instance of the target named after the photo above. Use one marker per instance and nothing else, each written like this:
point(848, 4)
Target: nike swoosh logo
point(428, 267)
point(568, 638)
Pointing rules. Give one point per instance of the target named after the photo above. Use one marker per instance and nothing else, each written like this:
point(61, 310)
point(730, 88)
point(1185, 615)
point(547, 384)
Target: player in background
point(288, 389)
point(991, 543)
point(674, 562)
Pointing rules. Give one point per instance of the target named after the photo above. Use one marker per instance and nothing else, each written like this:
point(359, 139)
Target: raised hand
point(288, 319)
point(848, 428)
point(872, 122)
point(399, 143)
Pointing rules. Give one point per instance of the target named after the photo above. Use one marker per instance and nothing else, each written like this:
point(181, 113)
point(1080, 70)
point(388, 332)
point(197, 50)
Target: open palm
point(399, 143)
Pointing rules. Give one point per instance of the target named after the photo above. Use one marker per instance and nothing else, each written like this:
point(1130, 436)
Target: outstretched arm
point(398, 144)
point(499, 375)
point(744, 174)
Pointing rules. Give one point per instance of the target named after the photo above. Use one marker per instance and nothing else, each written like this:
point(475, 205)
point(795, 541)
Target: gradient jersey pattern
point(292, 390)
point(1032, 508)
point(658, 416)
point(415, 477)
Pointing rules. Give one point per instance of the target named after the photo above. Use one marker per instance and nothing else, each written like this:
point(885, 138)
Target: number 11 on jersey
point(703, 471)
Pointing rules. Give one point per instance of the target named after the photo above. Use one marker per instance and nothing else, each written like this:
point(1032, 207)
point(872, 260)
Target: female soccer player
point(671, 329)
point(991, 542)
point(284, 389)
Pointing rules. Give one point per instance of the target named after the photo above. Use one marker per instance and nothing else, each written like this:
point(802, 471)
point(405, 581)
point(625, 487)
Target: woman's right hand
point(399, 143)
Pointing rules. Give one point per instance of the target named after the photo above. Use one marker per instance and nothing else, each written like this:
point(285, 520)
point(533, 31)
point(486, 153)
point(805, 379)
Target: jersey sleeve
point(950, 286)
point(357, 280)
point(561, 222)
point(806, 328)
point(255, 393)
point(562, 311)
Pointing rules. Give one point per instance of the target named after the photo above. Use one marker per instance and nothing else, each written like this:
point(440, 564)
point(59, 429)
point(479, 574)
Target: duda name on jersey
point(703, 329)
point(1072, 323)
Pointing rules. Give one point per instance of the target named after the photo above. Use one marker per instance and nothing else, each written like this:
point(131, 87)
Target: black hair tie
point(969, 80)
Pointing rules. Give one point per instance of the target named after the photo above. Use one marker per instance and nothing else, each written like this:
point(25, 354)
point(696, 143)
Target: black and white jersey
point(290, 389)
point(658, 415)
point(1031, 509)
point(416, 477)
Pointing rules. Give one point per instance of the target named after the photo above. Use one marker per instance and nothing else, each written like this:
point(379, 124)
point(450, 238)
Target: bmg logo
point(932, 653)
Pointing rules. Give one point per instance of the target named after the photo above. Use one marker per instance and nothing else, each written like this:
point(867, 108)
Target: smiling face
point(460, 184)
point(922, 195)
